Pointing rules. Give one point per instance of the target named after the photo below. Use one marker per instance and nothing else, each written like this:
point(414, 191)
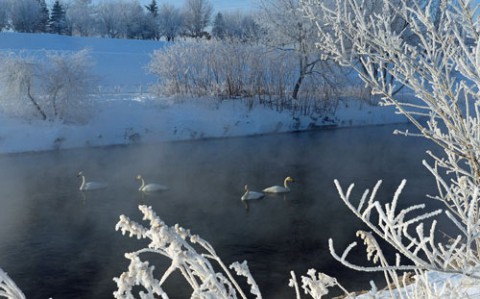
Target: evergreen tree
point(58, 21)
point(152, 8)
point(218, 29)
point(42, 25)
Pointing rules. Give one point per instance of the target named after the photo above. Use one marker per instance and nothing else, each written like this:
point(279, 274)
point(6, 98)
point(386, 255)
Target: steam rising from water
point(59, 242)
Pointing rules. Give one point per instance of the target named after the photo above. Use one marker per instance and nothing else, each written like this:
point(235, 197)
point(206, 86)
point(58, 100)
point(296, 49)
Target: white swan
point(280, 189)
point(249, 195)
point(152, 187)
point(87, 186)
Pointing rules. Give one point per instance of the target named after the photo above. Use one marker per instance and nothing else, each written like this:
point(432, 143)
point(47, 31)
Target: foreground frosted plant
point(8, 288)
point(191, 256)
point(316, 285)
point(432, 47)
point(180, 246)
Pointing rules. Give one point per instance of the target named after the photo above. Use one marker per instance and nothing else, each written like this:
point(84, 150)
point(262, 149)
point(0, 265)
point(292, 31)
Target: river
point(58, 242)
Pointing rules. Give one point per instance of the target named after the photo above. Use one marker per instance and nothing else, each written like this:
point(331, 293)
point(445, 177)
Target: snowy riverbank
point(124, 113)
point(149, 120)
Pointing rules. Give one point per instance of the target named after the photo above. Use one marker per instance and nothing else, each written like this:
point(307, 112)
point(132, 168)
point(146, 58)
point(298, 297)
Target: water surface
point(57, 242)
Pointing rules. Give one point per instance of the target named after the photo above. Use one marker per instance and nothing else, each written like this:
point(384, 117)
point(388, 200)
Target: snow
point(440, 285)
point(126, 113)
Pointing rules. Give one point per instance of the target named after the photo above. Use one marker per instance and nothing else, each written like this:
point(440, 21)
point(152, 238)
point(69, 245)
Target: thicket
point(215, 68)
point(237, 69)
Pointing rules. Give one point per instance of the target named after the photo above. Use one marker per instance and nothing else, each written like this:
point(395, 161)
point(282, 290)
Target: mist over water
point(56, 241)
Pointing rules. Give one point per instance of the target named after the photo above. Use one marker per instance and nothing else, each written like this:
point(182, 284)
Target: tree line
point(125, 19)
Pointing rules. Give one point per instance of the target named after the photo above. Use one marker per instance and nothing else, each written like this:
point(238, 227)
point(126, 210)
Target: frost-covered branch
point(8, 288)
point(316, 285)
point(189, 254)
point(435, 56)
point(432, 47)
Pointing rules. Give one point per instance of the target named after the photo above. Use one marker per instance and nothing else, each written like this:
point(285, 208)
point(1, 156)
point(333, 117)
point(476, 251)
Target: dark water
point(55, 242)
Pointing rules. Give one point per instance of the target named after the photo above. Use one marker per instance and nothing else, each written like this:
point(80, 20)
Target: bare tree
point(170, 21)
point(25, 15)
point(80, 17)
point(55, 87)
point(121, 19)
point(18, 77)
point(66, 82)
point(236, 25)
point(197, 15)
point(289, 31)
point(109, 21)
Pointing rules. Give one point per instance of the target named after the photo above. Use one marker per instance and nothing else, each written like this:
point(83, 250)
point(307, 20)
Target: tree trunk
point(296, 89)
point(32, 99)
point(298, 84)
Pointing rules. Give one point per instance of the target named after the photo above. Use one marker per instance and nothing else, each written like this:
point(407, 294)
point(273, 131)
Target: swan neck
point(82, 185)
point(143, 184)
point(285, 183)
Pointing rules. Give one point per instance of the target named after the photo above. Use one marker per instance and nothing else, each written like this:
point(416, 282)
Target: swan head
point(139, 177)
point(289, 179)
point(246, 187)
point(79, 174)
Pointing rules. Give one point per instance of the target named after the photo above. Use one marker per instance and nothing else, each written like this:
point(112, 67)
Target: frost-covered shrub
point(50, 86)
point(230, 69)
point(433, 48)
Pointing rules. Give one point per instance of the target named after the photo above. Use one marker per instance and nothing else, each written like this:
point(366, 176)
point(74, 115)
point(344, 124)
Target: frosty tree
point(197, 16)
point(55, 88)
point(436, 54)
point(119, 18)
point(79, 17)
point(237, 25)
point(170, 21)
point(25, 15)
point(290, 32)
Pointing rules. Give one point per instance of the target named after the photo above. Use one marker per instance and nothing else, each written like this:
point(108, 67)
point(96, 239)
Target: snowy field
point(126, 113)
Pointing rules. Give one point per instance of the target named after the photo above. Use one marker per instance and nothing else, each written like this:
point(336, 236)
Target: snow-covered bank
point(144, 119)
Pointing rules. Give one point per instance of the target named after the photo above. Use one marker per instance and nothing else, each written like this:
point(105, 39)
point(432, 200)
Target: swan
point(150, 187)
point(86, 186)
point(280, 189)
point(251, 194)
